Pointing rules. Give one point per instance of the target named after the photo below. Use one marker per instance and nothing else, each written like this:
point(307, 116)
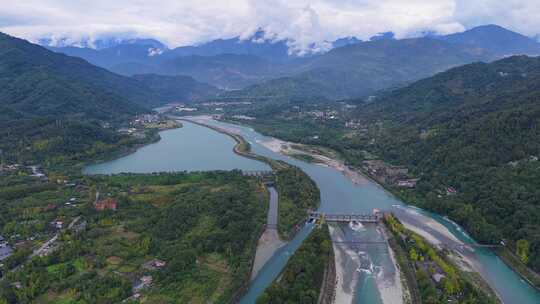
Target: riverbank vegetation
point(297, 194)
point(184, 237)
point(436, 277)
point(303, 276)
point(62, 142)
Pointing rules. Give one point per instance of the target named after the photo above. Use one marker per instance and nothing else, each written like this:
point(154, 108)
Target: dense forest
point(203, 226)
point(302, 278)
point(297, 193)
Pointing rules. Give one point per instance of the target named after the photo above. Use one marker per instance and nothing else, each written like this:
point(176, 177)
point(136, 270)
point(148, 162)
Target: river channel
point(196, 148)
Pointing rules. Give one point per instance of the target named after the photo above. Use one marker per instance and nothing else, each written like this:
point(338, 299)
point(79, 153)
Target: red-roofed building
point(108, 203)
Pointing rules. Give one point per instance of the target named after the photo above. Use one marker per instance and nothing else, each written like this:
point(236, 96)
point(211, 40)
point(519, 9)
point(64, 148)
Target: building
point(451, 191)
point(5, 249)
point(58, 224)
point(408, 183)
point(154, 264)
point(108, 203)
point(144, 282)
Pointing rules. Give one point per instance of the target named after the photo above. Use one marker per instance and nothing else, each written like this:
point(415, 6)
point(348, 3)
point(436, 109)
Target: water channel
point(194, 148)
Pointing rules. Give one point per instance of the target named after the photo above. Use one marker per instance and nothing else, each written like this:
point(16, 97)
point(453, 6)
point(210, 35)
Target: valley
point(252, 169)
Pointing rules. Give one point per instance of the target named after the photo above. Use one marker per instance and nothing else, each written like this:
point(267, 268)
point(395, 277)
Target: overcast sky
point(184, 22)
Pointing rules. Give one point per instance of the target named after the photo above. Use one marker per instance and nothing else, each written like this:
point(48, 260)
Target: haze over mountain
point(352, 68)
point(228, 63)
point(363, 68)
point(383, 62)
point(109, 55)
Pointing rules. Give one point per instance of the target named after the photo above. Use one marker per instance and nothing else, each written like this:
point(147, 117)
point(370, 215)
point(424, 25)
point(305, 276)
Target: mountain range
point(261, 67)
point(227, 63)
point(363, 68)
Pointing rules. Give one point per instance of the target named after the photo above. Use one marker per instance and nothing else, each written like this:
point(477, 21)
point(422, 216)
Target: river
point(194, 148)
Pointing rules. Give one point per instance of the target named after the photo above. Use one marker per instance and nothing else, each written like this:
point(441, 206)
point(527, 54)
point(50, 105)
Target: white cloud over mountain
point(308, 23)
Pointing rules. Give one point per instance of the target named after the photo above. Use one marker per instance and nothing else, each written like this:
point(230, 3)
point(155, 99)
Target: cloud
point(308, 23)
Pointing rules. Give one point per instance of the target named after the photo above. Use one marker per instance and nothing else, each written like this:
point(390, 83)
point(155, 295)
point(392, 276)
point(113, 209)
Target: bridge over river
point(358, 217)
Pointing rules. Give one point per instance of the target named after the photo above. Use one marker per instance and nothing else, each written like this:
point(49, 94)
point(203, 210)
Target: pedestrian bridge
point(361, 218)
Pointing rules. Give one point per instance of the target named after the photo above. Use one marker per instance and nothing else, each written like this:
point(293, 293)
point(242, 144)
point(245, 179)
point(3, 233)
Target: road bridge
point(360, 218)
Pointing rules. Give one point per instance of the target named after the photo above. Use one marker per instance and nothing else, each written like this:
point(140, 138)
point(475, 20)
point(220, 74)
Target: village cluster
point(138, 126)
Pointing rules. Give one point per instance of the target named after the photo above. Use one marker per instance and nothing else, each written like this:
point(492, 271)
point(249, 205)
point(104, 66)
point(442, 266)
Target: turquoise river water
point(196, 148)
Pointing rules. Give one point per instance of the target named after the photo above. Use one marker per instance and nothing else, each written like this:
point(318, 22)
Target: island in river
point(338, 191)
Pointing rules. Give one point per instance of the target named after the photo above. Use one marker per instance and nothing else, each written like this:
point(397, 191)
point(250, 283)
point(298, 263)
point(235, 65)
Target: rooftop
point(5, 252)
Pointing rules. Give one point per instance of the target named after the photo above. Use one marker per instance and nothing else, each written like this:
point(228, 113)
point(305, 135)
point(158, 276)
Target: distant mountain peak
point(383, 36)
point(345, 41)
point(492, 27)
point(497, 39)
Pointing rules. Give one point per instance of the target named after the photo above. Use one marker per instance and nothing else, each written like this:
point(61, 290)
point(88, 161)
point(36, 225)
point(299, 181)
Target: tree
point(522, 250)
point(413, 255)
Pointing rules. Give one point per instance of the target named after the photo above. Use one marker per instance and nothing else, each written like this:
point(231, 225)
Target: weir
point(358, 217)
point(258, 173)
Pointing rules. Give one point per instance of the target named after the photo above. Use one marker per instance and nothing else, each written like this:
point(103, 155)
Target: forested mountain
point(474, 128)
point(52, 105)
point(363, 68)
point(225, 70)
point(38, 82)
point(497, 40)
point(177, 88)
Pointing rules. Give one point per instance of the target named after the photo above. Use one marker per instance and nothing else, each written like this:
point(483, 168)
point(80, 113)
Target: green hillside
point(37, 81)
point(53, 106)
point(474, 128)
